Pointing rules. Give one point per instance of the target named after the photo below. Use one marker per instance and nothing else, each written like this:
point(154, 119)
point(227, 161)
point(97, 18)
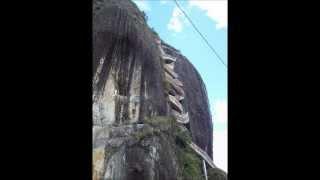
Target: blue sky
point(211, 19)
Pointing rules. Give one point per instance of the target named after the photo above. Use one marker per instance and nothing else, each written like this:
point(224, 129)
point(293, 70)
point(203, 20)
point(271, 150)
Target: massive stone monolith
point(149, 102)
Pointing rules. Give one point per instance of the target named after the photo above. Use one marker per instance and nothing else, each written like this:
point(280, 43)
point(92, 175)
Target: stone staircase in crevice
point(175, 95)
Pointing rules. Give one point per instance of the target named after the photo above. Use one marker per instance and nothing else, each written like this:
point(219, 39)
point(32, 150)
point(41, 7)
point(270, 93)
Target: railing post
point(204, 169)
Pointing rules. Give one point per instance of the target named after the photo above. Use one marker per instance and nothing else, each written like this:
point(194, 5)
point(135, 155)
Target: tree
point(145, 16)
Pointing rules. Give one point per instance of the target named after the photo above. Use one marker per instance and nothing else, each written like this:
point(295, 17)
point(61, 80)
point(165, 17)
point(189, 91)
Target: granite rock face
point(137, 132)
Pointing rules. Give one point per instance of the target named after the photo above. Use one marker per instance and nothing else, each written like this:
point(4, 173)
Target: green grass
point(157, 121)
point(190, 164)
point(145, 132)
point(216, 174)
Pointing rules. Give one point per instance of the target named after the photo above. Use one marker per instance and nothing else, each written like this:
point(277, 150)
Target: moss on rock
point(190, 164)
point(216, 174)
point(146, 131)
point(163, 123)
point(182, 138)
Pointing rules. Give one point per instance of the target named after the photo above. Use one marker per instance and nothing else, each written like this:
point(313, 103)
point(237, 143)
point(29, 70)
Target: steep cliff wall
point(149, 102)
point(196, 100)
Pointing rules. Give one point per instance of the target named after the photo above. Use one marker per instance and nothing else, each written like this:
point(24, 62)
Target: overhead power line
point(202, 36)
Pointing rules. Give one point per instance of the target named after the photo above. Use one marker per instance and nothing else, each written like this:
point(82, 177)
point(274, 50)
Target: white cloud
point(215, 10)
point(163, 2)
point(176, 21)
point(220, 111)
point(143, 5)
point(220, 149)
point(220, 133)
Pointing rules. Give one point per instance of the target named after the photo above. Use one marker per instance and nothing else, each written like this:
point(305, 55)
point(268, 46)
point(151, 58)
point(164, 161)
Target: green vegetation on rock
point(146, 131)
point(182, 137)
point(189, 161)
point(216, 174)
point(160, 121)
point(190, 164)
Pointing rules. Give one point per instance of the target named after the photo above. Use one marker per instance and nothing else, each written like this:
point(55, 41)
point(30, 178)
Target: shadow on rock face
point(138, 166)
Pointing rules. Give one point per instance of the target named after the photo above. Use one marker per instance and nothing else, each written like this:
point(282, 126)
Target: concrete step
point(168, 59)
point(170, 65)
point(170, 71)
point(172, 80)
point(203, 154)
point(178, 90)
point(175, 104)
point(182, 118)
